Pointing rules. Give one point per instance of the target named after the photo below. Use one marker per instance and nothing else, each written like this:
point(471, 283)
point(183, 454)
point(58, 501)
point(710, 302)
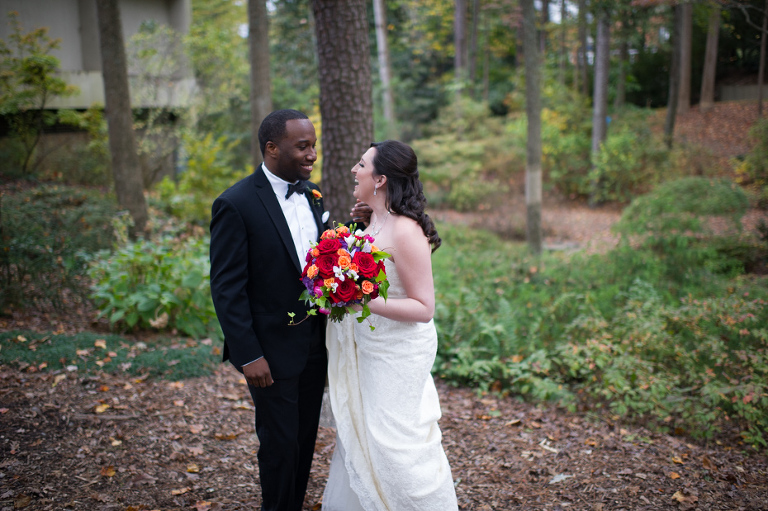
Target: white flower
point(339, 273)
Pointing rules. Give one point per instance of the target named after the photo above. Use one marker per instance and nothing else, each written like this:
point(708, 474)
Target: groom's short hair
point(273, 126)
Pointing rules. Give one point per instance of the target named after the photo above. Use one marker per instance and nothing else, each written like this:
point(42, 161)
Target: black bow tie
point(299, 188)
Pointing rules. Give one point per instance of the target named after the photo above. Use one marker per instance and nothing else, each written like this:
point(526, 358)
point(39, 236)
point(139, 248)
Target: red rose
point(325, 264)
point(345, 291)
point(329, 246)
point(366, 266)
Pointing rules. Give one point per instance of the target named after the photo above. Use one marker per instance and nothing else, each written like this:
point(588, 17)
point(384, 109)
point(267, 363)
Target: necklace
point(375, 232)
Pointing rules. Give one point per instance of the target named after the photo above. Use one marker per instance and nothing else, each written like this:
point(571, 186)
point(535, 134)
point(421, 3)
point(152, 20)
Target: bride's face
point(365, 179)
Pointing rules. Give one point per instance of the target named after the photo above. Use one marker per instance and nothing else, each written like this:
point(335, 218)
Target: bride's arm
point(414, 265)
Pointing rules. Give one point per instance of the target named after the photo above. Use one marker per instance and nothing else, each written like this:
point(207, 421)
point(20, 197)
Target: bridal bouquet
point(343, 269)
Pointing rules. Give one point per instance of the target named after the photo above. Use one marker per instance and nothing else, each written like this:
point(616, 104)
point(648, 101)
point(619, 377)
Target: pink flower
point(324, 311)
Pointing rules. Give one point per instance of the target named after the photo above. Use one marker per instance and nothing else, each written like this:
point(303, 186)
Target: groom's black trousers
point(287, 417)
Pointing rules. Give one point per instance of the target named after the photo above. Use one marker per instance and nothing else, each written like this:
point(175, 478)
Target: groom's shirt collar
point(279, 185)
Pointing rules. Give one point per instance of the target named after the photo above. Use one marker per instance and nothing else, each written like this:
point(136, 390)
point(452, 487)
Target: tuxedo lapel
point(316, 205)
point(267, 196)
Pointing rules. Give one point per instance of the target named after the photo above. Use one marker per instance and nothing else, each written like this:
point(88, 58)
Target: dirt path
point(190, 445)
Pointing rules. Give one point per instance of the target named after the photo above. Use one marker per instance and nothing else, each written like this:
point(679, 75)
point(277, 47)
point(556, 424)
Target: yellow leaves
point(590, 442)
point(178, 385)
point(193, 468)
point(101, 408)
point(229, 436)
point(108, 471)
point(58, 379)
point(181, 491)
point(707, 464)
point(674, 475)
point(684, 497)
point(676, 459)
point(100, 343)
point(178, 403)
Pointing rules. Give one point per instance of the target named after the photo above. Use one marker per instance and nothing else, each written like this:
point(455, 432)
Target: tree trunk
point(674, 77)
point(563, 49)
point(761, 66)
point(460, 43)
point(126, 169)
point(686, 32)
point(382, 47)
point(710, 61)
point(600, 101)
point(582, 55)
point(261, 84)
point(621, 84)
point(472, 77)
point(533, 114)
point(346, 108)
point(544, 23)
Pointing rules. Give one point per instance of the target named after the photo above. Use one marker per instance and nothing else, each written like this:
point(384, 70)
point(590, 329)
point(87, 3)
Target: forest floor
point(190, 445)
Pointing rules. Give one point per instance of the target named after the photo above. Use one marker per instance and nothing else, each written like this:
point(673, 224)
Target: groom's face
point(296, 150)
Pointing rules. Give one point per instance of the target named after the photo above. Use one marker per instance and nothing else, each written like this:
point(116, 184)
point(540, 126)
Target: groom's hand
point(361, 212)
point(258, 374)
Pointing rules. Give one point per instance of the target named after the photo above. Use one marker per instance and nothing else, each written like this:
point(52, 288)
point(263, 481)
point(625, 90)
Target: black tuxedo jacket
point(256, 278)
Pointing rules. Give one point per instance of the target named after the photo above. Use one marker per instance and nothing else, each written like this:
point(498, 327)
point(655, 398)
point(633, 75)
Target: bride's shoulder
point(407, 230)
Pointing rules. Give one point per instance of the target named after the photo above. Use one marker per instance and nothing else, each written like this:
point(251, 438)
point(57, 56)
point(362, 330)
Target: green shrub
point(672, 222)
point(161, 285)
point(752, 171)
point(609, 330)
point(208, 173)
point(91, 353)
point(46, 235)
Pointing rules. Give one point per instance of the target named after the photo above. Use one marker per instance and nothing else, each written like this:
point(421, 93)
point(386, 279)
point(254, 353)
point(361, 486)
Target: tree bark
point(600, 101)
point(460, 42)
point(261, 83)
point(686, 33)
point(621, 83)
point(346, 108)
point(543, 29)
point(533, 114)
point(472, 58)
point(674, 77)
point(126, 169)
point(563, 49)
point(581, 59)
point(761, 66)
point(382, 47)
point(710, 61)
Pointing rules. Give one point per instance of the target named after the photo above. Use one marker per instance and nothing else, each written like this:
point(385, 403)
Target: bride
point(388, 452)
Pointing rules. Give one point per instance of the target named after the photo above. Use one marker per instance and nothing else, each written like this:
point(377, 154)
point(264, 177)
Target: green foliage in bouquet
point(161, 285)
point(208, 173)
point(46, 234)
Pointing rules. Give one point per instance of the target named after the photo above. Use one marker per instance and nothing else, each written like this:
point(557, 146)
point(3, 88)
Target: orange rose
point(367, 287)
point(315, 252)
point(329, 234)
point(316, 194)
point(359, 295)
point(312, 272)
point(344, 261)
point(353, 267)
point(374, 248)
point(329, 282)
point(342, 229)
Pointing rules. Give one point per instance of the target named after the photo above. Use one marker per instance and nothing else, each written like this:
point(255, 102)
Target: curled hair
point(405, 193)
point(273, 126)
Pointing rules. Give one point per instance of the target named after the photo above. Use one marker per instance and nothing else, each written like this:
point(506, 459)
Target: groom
point(261, 230)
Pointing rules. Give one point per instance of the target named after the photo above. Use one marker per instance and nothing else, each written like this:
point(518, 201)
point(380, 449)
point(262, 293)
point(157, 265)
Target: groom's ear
point(271, 151)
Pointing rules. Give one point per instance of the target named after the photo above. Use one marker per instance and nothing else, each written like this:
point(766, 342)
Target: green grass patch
point(166, 358)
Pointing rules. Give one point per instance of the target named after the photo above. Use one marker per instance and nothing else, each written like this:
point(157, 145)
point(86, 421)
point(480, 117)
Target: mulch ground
point(190, 445)
point(110, 442)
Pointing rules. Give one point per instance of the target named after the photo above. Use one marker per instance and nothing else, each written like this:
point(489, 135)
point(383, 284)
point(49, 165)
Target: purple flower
point(324, 311)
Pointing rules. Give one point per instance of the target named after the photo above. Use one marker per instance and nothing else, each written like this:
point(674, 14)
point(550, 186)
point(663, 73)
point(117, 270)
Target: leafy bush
point(208, 173)
point(46, 235)
point(466, 163)
point(753, 170)
point(160, 285)
point(671, 221)
point(608, 329)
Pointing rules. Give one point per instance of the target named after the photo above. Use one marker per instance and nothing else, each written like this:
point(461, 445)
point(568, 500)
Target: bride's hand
point(357, 307)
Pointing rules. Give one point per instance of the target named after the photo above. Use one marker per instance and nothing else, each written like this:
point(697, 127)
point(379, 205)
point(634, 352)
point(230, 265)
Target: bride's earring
point(374, 190)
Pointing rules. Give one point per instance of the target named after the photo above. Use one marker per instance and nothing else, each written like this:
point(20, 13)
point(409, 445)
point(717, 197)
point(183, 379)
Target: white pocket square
point(325, 216)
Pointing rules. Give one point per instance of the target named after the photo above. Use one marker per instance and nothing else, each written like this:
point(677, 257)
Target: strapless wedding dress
point(389, 454)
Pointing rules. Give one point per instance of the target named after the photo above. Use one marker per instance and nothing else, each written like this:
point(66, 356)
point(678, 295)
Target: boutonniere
point(316, 196)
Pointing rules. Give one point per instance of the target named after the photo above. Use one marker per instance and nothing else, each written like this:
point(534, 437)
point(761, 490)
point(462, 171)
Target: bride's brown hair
point(405, 193)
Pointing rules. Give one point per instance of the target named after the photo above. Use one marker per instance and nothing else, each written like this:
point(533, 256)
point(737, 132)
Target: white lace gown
point(389, 454)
